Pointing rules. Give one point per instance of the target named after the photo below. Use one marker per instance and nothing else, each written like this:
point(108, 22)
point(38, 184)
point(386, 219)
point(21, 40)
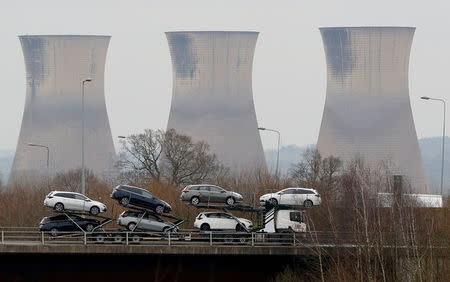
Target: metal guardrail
point(189, 238)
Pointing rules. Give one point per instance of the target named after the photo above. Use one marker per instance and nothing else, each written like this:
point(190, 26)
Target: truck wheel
point(118, 238)
point(205, 227)
point(273, 202)
point(100, 238)
point(135, 238)
point(308, 204)
point(230, 201)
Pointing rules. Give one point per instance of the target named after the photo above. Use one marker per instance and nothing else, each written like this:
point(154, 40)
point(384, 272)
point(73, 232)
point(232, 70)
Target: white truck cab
point(284, 221)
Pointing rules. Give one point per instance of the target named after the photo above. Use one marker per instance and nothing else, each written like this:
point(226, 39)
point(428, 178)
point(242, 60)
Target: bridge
point(186, 242)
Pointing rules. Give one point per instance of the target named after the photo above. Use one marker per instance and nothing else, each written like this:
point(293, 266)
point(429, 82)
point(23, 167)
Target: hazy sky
point(289, 72)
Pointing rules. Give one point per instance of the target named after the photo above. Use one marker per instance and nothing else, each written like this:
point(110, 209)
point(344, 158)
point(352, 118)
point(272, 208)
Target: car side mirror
point(223, 191)
point(87, 200)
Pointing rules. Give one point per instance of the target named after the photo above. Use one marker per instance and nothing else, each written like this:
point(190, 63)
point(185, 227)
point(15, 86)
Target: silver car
point(149, 222)
point(206, 193)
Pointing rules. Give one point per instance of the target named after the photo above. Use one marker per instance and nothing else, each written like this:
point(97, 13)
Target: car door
point(68, 225)
point(204, 194)
point(68, 201)
point(135, 197)
point(286, 197)
point(302, 195)
point(141, 221)
point(216, 195)
point(153, 223)
point(59, 222)
point(79, 202)
point(148, 199)
point(214, 221)
point(227, 221)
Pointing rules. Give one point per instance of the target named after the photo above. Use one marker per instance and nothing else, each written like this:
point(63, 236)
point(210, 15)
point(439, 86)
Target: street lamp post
point(278, 151)
point(83, 162)
point(48, 155)
point(443, 139)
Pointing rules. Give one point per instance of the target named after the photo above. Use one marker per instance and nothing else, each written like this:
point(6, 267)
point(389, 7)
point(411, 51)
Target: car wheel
point(230, 201)
point(273, 202)
point(195, 201)
point(308, 204)
point(242, 240)
point(165, 229)
point(239, 228)
point(94, 210)
point(54, 232)
point(124, 201)
point(159, 209)
point(205, 227)
point(131, 226)
point(89, 227)
point(59, 207)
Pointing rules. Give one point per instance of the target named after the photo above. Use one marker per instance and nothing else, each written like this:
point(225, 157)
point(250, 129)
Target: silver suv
point(149, 222)
point(206, 193)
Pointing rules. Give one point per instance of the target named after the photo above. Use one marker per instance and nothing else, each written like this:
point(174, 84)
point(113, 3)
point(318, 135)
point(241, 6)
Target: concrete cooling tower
point(367, 108)
point(212, 94)
point(55, 68)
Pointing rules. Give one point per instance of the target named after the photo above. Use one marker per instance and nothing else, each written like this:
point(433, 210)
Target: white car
point(292, 197)
point(220, 221)
point(62, 200)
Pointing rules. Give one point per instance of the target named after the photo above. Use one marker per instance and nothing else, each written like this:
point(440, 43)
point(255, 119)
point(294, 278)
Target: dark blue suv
point(130, 195)
point(62, 222)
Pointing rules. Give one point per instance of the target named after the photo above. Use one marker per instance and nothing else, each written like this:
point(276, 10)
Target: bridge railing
point(120, 237)
point(24, 236)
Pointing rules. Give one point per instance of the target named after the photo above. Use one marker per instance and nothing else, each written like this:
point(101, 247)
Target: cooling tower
point(212, 94)
point(55, 68)
point(367, 108)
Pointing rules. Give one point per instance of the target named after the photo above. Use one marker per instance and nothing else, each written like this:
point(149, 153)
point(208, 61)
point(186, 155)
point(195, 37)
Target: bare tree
point(312, 170)
point(167, 155)
point(142, 152)
point(186, 161)
point(71, 180)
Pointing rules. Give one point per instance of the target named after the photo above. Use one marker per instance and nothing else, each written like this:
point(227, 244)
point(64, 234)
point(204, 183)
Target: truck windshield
point(296, 216)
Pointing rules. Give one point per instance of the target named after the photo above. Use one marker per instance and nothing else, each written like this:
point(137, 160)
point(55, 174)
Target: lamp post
point(443, 139)
point(278, 151)
point(48, 154)
point(83, 162)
